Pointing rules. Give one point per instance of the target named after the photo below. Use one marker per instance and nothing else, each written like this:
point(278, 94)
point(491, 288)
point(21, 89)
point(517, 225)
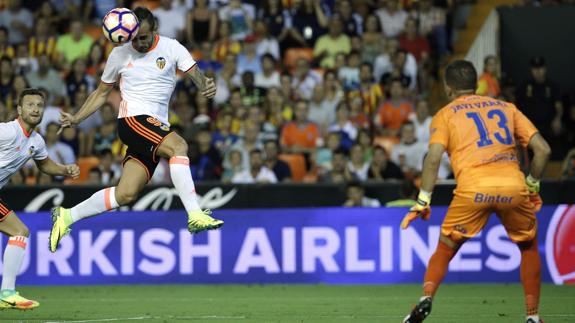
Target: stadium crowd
point(308, 90)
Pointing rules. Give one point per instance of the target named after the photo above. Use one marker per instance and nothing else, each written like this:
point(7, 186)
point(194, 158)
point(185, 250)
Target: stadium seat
point(387, 142)
point(85, 164)
point(293, 54)
point(296, 164)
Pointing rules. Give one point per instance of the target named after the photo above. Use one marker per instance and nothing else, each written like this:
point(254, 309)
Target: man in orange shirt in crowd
point(479, 134)
point(300, 135)
point(395, 111)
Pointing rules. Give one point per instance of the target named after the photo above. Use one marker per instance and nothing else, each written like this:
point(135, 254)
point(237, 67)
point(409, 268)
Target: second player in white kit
point(145, 69)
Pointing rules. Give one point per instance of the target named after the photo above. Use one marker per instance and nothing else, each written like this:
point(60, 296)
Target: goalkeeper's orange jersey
point(480, 135)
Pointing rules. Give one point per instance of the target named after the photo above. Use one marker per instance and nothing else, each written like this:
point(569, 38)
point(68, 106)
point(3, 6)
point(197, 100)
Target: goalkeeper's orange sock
point(437, 268)
point(531, 276)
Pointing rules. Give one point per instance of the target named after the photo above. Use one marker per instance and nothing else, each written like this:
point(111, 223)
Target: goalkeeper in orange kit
point(480, 134)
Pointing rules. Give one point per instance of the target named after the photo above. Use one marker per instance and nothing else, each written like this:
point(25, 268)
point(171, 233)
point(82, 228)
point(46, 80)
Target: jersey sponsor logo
point(161, 62)
point(559, 245)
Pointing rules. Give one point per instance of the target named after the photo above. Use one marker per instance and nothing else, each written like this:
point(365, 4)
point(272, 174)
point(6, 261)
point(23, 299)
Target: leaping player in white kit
point(146, 68)
point(18, 143)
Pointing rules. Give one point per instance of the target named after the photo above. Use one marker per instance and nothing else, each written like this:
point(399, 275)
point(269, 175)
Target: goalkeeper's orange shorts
point(470, 209)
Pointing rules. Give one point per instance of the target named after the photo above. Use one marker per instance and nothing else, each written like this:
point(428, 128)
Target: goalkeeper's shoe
point(420, 311)
point(199, 221)
point(60, 227)
point(13, 300)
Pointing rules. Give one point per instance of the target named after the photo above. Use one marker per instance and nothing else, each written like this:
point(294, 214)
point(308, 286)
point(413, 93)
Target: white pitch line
point(115, 319)
point(107, 320)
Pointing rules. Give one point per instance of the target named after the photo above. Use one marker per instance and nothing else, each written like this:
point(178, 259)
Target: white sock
point(101, 201)
point(13, 257)
point(183, 182)
point(535, 318)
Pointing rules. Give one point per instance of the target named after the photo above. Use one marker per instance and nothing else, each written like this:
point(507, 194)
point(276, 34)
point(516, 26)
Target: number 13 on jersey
point(503, 136)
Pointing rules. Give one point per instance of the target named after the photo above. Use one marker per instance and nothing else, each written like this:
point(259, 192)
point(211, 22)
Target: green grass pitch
point(285, 303)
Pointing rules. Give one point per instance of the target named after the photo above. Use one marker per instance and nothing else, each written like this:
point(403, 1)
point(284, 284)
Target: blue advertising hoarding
point(312, 245)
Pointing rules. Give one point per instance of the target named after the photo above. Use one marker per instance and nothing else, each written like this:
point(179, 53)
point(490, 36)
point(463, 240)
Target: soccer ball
point(120, 25)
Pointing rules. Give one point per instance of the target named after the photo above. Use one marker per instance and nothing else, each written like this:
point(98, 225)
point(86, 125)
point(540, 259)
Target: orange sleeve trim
point(180, 160)
point(107, 199)
point(189, 69)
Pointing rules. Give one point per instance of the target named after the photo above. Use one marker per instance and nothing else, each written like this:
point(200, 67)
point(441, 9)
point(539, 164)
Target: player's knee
point(126, 197)
point(180, 147)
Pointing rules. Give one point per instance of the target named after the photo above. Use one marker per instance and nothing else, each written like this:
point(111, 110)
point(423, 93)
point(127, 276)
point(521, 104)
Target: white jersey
point(17, 146)
point(147, 80)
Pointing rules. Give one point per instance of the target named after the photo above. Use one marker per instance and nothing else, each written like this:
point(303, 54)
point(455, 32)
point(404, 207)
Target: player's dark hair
point(144, 14)
point(271, 141)
point(104, 152)
point(407, 189)
point(355, 184)
point(27, 92)
point(5, 58)
point(461, 75)
point(4, 29)
point(256, 151)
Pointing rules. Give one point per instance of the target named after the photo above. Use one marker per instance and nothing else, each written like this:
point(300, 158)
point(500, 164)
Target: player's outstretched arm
point(93, 103)
point(206, 85)
point(49, 167)
point(430, 167)
point(541, 153)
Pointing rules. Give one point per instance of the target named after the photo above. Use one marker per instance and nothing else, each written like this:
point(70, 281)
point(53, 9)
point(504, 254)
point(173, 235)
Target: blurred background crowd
point(308, 90)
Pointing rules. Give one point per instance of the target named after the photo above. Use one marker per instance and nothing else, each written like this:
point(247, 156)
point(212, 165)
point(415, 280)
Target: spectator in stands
point(251, 94)
point(241, 17)
point(287, 92)
point(324, 155)
point(18, 19)
point(205, 162)
point(344, 126)
point(110, 170)
point(277, 108)
point(233, 167)
point(269, 76)
point(206, 63)
point(392, 18)
point(333, 92)
point(48, 78)
point(43, 40)
point(77, 77)
point(75, 44)
point(257, 172)
point(5, 48)
point(93, 121)
point(407, 194)
point(421, 120)
point(349, 74)
point(257, 116)
point(539, 99)
point(321, 111)
point(357, 114)
point(277, 19)
point(372, 39)
point(202, 24)
point(356, 196)
point(357, 164)
point(250, 140)
point(249, 60)
point(171, 20)
point(103, 137)
point(19, 83)
point(370, 91)
point(404, 67)
point(48, 12)
point(488, 83)
point(94, 177)
point(304, 79)
point(352, 21)
point(409, 153)
point(365, 140)
point(383, 62)
point(300, 135)
point(414, 43)
point(394, 111)
point(266, 43)
point(96, 60)
point(339, 172)
point(222, 137)
point(381, 168)
point(307, 23)
point(58, 151)
point(331, 44)
point(226, 80)
point(6, 77)
point(280, 168)
point(432, 22)
point(225, 44)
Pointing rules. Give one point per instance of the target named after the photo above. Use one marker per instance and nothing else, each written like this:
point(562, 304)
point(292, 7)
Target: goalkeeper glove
point(533, 185)
point(420, 209)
